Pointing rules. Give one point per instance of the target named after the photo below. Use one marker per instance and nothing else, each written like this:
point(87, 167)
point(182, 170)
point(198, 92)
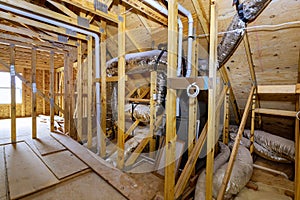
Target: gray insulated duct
point(247, 12)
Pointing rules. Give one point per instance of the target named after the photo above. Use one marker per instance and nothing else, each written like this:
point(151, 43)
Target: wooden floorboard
point(47, 145)
point(87, 186)
point(2, 175)
point(118, 179)
point(26, 172)
point(64, 164)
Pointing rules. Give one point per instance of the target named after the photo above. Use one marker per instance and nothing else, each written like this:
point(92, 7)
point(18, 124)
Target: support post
point(297, 153)
point(13, 94)
point(33, 92)
point(153, 80)
point(235, 146)
point(79, 91)
point(226, 118)
point(51, 91)
point(103, 91)
point(211, 134)
point(66, 93)
point(44, 89)
point(71, 101)
point(169, 192)
point(23, 96)
point(252, 122)
point(90, 92)
point(121, 86)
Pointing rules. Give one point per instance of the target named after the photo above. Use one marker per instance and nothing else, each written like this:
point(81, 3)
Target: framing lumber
point(63, 8)
point(200, 15)
point(79, 91)
point(51, 91)
point(103, 92)
point(66, 94)
point(13, 94)
point(90, 93)
point(211, 122)
point(23, 98)
point(252, 122)
point(153, 85)
point(169, 185)
point(88, 6)
point(148, 11)
point(236, 146)
point(286, 113)
point(43, 89)
point(277, 89)
point(71, 100)
point(249, 58)
point(226, 118)
point(297, 143)
point(33, 93)
point(121, 86)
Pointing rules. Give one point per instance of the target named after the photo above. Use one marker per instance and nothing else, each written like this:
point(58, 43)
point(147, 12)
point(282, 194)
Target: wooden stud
point(63, 8)
point(297, 153)
point(90, 93)
point(13, 94)
point(79, 91)
point(23, 96)
point(51, 91)
point(171, 103)
point(66, 99)
point(211, 122)
point(286, 113)
point(236, 146)
point(226, 118)
point(71, 101)
point(201, 17)
point(103, 92)
point(252, 123)
point(276, 89)
point(61, 91)
point(249, 58)
point(153, 83)
point(121, 87)
point(44, 89)
point(33, 93)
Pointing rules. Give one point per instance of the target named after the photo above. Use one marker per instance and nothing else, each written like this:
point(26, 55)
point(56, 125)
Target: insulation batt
point(220, 160)
point(281, 146)
point(258, 149)
point(140, 112)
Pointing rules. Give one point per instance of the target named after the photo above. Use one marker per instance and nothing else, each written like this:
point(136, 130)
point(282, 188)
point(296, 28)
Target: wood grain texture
point(47, 145)
point(3, 191)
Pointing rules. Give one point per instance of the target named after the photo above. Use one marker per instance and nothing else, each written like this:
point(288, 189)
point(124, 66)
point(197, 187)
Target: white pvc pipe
point(97, 52)
point(271, 170)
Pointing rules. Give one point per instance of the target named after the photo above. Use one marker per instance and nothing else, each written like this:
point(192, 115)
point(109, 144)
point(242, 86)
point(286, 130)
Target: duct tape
point(100, 6)
point(51, 102)
point(62, 38)
point(83, 22)
point(154, 97)
point(70, 32)
point(34, 87)
point(101, 30)
point(191, 86)
point(120, 18)
point(12, 70)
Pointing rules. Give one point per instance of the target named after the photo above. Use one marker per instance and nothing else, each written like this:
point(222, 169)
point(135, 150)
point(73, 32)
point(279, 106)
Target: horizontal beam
point(286, 113)
point(138, 100)
point(183, 82)
point(108, 79)
point(278, 89)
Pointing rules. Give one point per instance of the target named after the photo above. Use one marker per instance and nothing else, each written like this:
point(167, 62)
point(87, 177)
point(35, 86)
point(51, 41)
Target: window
point(5, 88)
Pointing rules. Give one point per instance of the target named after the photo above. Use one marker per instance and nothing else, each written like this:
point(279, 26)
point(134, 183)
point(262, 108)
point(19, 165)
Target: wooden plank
point(201, 17)
point(47, 145)
point(71, 100)
point(286, 113)
point(56, 162)
point(33, 93)
point(153, 91)
point(276, 89)
point(138, 100)
point(211, 121)
point(103, 92)
point(43, 89)
point(23, 106)
point(122, 182)
point(90, 93)
point(51, 91)
point(66, 94)
point(3, 181)
point(184, 82)
point(87, 186)
point(249, 58)
point(63, 8)
point(297, 151)
point(252, 123)
point(171, 105)
point(236, 146)
point(108, 79)
point(226, 118)
point(121, 87)
point(79, 91)
point(13, 94)
point(26, 172)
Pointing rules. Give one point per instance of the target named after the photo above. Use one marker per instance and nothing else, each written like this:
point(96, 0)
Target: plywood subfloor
point(25, 171)
point(46, 145)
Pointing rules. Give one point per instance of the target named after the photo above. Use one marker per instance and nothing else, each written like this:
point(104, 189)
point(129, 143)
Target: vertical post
point(23, 96)
point(121, 86)
point(61, 87)
point(33, 92)
point(79, 90)
point(226, 118)
point(90, 92)
point(13, 94)
point(103, 91)
point(169, 192)
point(297, 152)
point(51, 91)
point(71, 101)
point(211, 134)
point(66, 93)
point(252, 122)
point(153, 80)
point(43, 85)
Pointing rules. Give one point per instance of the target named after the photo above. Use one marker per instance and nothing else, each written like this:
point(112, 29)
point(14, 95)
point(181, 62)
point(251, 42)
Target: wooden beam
point(13, 94)
point(71, 99)
point(276, 112)
point(63, 8)
point(212, 92)
point(153, 91)
point(33, 93)
point(297, 152)
point(201, 17)
point(138, 100)
point(66, 94)
point(103, 92)
point(51, 91)
point(88, 6)
point(90, 93)
point(147, 10)
point(236, 146)
point(226, 118)
point(23, 96)
point(252, 122)
point(136, 46)
point(79, 91)
point(276, 89)
point(109, 79)
point(170, 142)
point(249, 59)
point(44, 89)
